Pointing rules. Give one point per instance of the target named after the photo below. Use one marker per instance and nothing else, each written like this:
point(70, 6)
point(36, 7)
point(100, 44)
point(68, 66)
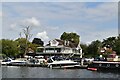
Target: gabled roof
point(65, 43)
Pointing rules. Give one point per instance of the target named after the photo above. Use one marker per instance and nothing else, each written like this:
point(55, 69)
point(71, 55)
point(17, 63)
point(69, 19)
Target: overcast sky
point(91, 20)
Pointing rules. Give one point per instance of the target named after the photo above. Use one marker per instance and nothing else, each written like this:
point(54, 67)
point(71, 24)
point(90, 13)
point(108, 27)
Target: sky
point(48, 20)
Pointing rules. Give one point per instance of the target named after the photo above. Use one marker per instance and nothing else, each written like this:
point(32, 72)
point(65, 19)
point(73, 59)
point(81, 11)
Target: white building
point(60, 47)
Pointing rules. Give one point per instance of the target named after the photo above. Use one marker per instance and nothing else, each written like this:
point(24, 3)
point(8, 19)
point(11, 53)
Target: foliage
point(109, 41)
point(94, 48)
point(2, 56)
point(84, 48)
point(21, 44)
point(15, 48)
point(38, 41)
point(18, 47)
point(112, 42)
point(117, 46)
point(33, 46)
point(70, 37)
point(9, 47)
point(1, 46)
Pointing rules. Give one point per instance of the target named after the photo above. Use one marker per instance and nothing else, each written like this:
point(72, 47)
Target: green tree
point(109, 41)
point(113, 42)
point(33, 46)
point(94, 47)
point(70, 37)
point(117, 46)
point(9, 48)
point(84, 49)
point(38, 41)
point(22, 45)
point(0, 46)
point(22, 42)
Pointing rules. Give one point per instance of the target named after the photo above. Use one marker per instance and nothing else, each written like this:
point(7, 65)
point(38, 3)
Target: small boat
point(61, 63)
point(11, 61)
point(108, 64)
point(105, 65)
point(6, 61)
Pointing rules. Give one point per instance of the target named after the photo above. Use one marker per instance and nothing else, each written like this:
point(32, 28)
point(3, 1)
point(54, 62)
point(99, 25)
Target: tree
point(10, 48)
point(112, 42)
point(33, 46)
point(0, 46)
point(22, 45)
point(117, 46)
point(28, 35)
point(84, 48)
point(94, 47)
point(38, 41)
point(70, 37)
point(109, 41)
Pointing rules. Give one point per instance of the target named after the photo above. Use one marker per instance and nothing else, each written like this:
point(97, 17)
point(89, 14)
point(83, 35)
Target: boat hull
point(63, 64)
point(105, 66)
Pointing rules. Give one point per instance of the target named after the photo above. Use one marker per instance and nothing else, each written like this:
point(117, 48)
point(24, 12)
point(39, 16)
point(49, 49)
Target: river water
point(39, 72)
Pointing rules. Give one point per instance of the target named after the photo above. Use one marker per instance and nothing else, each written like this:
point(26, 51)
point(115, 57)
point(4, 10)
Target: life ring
point(117, 65)
point(108, 65)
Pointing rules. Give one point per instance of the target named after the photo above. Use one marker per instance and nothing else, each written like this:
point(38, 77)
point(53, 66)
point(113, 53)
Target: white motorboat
point(61, 63)
point(10, 61)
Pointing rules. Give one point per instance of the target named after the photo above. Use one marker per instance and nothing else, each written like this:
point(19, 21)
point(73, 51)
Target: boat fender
point(60, 66)
point(50, 66)
point(117, 65)
point(93, 69)
point(100, 64)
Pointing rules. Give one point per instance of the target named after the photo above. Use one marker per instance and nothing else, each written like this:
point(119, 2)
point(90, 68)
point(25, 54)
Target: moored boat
point(111, 63)
point(105, 65)
point(11, 61)
point(61, 63)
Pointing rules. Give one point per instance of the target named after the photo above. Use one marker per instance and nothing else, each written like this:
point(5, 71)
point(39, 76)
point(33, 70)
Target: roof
point(65, 43)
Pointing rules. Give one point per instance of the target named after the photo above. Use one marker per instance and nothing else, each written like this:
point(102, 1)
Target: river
point(39, 72)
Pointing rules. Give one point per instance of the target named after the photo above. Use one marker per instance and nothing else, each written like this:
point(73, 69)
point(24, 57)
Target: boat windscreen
point(58, 58)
